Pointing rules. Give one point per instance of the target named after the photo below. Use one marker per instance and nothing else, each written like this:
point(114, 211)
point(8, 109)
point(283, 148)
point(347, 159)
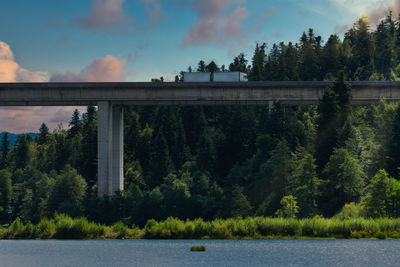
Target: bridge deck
point(126, 93)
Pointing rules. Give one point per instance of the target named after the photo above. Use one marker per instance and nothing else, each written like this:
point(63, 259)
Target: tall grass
point(65, 227)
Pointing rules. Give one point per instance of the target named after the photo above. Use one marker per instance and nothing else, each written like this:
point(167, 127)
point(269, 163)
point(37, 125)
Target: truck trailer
point(226, 76)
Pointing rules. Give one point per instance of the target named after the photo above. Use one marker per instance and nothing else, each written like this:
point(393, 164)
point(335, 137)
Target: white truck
point(231, 76)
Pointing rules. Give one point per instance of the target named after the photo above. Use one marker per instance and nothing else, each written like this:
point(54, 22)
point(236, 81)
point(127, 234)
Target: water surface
point(219, 253)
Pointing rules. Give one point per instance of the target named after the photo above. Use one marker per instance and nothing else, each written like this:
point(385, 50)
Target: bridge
point(111, 97)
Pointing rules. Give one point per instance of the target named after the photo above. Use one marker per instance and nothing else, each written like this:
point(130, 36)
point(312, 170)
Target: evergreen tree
point(5, 148)
point(393, 159)
point(5, 196)
point(212, 67)
point(161, 162)
point(384, 41)
point(376, 201)
point(87, 165)
point(334, 109)
point(344, 181)
point(68, 193)
point(23, 152)
point(75, 123)
point(258, 62)
point(330, 63)
point(307, 185)
point(239, 204)
point(239, 64)
point(201, 67)
point(360, 39)
point(43, 134)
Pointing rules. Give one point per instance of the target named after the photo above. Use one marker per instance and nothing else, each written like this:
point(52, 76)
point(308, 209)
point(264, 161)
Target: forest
point(219, 162)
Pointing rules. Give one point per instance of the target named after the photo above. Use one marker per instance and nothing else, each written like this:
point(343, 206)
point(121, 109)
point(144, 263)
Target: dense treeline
point(217, 162)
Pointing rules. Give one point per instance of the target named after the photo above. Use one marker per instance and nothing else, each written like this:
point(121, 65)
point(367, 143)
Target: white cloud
point(106, 69)
point(360, 7)
point(10, 71)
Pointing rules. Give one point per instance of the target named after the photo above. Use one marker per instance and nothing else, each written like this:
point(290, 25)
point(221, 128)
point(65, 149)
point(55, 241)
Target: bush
point(45, 228)
point(198, 248)
point(68, 228)
point(120, 229)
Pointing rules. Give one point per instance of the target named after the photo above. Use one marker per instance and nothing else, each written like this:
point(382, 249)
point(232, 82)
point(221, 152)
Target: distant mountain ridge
point(13, 137)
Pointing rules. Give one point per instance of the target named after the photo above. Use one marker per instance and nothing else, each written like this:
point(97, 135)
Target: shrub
point(198, 248)
point(45, 228)
point(120, 229)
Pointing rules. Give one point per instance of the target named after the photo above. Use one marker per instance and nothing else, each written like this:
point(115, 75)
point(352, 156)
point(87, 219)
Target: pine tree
point(307, 185)
point(344, 181)
point(75, 123)
point(384, 41)
point(212, 67)
point(201, 67)
point(43, 134)
point(5, 148)
point(330, 57)
point(362, 46)
point(5, 196)
point(161, 162)
point(258, 62)
point(239, 205)
point(239, 64)
point(23, 153)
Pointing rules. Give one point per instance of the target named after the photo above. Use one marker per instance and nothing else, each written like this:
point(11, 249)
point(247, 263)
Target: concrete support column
point(270, 106)
point(117, 149)
point(110, 147)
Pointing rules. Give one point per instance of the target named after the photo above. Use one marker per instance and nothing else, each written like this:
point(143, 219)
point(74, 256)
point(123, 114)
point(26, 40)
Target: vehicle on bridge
point(225, 76)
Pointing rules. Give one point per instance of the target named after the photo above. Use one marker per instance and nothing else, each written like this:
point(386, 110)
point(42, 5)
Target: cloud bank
point(106, 69)
point(104, 16)
point(213, 25)
point(381, 10)
point(221, 22)
point(10, 71)
point(153, 9)
point(109, 15)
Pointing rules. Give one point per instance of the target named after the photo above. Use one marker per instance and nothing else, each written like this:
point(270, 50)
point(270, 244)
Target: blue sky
point(136, 40)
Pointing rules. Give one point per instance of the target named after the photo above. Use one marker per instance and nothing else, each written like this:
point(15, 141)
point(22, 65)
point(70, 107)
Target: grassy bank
point(64, 227)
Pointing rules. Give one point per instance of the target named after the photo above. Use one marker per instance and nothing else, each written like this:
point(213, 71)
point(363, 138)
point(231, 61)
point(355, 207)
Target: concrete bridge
point(111, 97)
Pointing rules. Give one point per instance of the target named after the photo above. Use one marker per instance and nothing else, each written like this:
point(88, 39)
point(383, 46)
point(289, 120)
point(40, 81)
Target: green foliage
point(5, 196)
point(307, 185)
point(383, 196)
point(68, 192)
point(240, 206)
point(350, 211)
point(198, 248)
point(5, 148)
point(289, 207)
point(344, 180)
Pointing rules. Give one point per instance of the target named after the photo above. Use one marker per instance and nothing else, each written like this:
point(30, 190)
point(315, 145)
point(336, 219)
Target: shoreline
point(251, 228)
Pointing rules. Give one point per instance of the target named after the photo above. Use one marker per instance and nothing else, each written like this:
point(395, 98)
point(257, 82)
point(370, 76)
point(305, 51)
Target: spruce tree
point(43, 134)
point(5, 196)
point(75, 123)
point(161, 162)
point(5, 148)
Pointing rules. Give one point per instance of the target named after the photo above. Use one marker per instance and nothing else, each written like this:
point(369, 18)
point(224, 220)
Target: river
point(219, 253)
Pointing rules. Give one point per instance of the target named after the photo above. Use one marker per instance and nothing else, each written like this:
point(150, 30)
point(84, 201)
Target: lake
point(219, 253)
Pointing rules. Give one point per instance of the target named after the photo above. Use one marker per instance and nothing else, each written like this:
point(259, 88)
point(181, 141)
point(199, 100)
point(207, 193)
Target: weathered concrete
point(110, 97)
point(248, 93)
point(110, 148)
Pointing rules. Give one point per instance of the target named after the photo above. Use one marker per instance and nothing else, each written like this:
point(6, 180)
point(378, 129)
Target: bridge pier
point(110, 145)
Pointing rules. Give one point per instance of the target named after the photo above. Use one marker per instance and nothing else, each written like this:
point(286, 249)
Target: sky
point(136, 40)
